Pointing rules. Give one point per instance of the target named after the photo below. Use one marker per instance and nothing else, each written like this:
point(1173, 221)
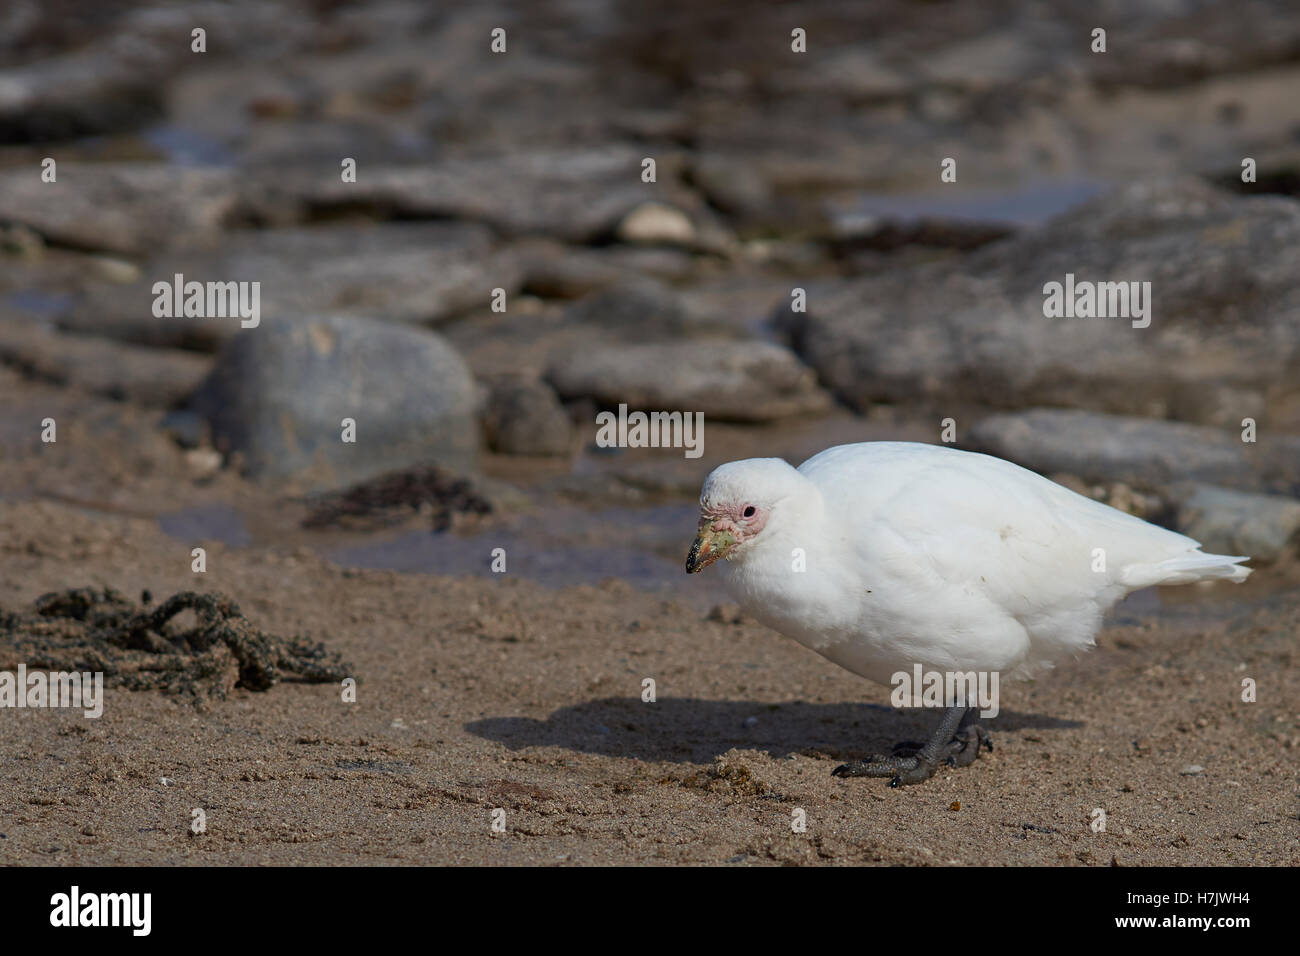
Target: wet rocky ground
point(500, 272)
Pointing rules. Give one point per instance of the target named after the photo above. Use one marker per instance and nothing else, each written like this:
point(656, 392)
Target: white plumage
point(921, 554)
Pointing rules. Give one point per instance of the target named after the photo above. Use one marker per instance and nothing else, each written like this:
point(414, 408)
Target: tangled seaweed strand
point(144, 648)
point(392, 496)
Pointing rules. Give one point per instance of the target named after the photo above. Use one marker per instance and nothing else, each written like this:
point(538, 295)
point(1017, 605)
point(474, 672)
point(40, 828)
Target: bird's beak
point(708, 547)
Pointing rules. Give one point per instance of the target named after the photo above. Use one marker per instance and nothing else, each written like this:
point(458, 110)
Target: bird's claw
point(909, 764)
point(901, 770)
point(967, 745)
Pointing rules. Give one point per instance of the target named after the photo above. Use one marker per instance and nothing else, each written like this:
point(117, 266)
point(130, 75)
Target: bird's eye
point(749, 511)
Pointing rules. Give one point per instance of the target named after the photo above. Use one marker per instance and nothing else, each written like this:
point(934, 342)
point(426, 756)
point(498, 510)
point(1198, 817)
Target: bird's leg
point(956, 741)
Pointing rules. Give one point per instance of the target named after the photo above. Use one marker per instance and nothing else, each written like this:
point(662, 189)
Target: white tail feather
point(1191, 567)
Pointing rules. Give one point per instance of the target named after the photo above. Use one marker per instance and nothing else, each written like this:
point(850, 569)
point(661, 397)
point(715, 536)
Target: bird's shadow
point(689, 730)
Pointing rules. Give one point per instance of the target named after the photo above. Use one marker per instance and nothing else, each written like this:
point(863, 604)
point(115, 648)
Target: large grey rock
point(732, 380)
point(1223, 343)
point(278, 394)
point(1144, 452)
point(1235, 522)
point(401, 272)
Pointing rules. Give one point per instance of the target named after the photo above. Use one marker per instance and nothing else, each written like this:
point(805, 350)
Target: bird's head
point(739, 501)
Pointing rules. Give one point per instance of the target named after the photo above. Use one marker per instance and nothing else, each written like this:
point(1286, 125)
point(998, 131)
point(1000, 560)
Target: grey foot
point(955, 744)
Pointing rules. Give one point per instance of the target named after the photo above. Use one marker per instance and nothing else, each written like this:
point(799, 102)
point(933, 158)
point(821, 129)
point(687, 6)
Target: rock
point(83, 93)
point(733, 185)
point(732, 380)
point(119, 68)
point(112, 269)
point(1144, 453)
point(401, 272)
point(554, 270)
point(526, 418)
point(123, 208)
point(735, 302)
point(644, 309)
point(853, 72)
point(1222, 344)
point(578, 195)
point(656, 223)
point(150, 377)
point(279, 393)
point(1179, 47)
point(998, 58)
point(1233, 522)
point(203, 463)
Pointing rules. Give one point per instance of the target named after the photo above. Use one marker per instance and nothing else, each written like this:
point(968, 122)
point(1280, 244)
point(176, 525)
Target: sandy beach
point(318, 321)
point(478, 693)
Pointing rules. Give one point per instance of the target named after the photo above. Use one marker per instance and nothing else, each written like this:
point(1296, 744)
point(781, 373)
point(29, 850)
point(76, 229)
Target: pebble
point(656, 223)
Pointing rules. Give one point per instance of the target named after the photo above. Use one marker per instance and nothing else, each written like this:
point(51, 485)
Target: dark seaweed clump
point(395, 496)
point(146, 647)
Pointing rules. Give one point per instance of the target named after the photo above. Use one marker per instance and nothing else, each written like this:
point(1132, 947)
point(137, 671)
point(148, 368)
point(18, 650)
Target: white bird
point(881, 556)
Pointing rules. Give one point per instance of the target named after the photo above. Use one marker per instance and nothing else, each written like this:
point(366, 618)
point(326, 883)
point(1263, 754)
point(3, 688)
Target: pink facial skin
point(731, 517)
point(722, 531)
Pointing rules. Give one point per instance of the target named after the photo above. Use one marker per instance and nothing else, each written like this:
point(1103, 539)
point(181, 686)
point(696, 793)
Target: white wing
point(968, 536)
